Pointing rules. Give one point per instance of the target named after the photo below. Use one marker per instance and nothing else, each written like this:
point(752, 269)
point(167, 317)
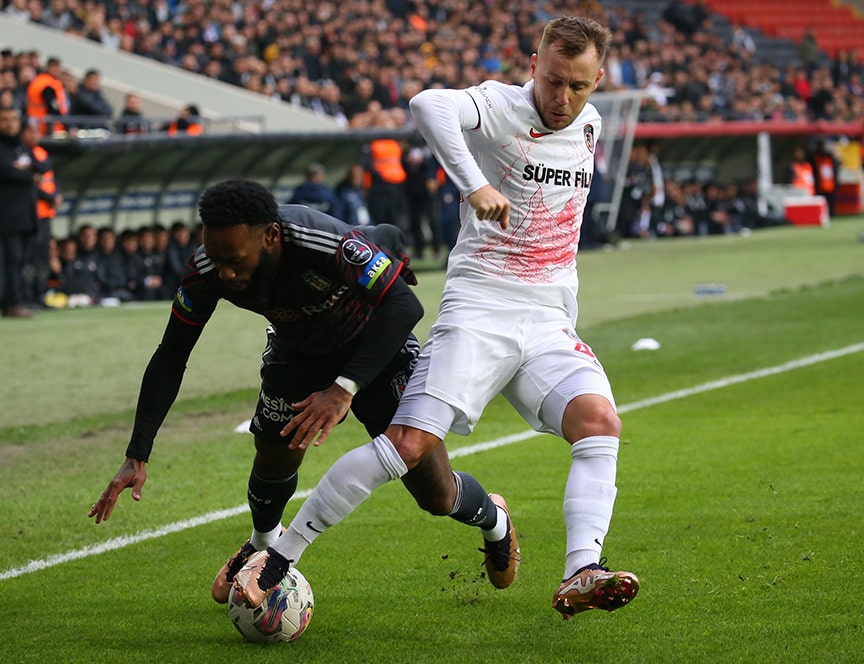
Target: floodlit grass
point(738, 507)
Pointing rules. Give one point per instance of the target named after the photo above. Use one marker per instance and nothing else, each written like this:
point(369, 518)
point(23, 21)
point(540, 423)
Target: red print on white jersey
point(546, 180)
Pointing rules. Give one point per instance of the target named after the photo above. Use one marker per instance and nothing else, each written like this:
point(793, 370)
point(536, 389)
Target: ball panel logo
point(589, 137)
point(356, 252)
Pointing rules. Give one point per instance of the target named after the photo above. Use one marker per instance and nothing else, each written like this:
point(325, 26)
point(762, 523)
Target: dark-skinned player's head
point(242, 235)
point(237, 201)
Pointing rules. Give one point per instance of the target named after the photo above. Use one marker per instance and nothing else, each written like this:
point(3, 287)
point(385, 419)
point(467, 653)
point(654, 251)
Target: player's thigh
point(288, 377)
point(468, 362)
point(559, 368)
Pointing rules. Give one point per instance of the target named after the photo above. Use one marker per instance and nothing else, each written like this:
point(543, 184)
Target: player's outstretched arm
point(133, 473)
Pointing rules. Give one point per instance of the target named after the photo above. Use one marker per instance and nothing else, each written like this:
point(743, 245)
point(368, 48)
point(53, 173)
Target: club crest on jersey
point(356, 252)
point(315, 281)
point(589, 137)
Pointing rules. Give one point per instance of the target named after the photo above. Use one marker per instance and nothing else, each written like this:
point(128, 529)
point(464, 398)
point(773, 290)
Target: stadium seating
point(836, 27)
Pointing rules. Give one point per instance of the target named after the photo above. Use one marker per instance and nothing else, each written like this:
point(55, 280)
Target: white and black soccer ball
point(283, 616)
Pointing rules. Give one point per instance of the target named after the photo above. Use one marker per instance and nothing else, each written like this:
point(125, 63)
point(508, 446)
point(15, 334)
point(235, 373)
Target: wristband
point(348, 385)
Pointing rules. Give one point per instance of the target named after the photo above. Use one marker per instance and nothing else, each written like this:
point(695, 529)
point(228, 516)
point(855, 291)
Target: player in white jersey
point(523, 159)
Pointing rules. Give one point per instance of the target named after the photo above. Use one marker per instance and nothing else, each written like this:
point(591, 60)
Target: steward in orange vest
point(800, 173)
point(825, 170)
point(47, 202)
point(185, 123)
point(47, 96)
point(385, 161)
point(46, 188)
point(384, 180)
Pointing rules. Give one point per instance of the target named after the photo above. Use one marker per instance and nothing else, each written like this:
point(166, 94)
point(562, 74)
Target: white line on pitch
point(128, 540)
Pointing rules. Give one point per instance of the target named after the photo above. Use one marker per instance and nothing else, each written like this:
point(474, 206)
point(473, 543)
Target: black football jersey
point(329, 279)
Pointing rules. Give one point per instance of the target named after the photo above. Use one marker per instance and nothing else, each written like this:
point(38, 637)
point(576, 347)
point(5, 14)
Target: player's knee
point(412, 444)
point(590, 415)
point(275, 461)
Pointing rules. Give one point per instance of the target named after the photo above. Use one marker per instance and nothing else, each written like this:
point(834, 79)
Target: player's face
point(243, 255)
point(562, 84)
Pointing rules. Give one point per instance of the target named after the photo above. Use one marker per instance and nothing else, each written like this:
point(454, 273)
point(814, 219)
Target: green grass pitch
point(739, 504)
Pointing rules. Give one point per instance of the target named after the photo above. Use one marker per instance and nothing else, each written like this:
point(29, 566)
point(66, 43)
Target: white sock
point(500, 530)
point(588, 499)
point(261, 540)
point(343, 487)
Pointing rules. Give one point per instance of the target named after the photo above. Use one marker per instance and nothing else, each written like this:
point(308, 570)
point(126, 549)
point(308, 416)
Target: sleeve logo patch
point(183, 299)
point(356, 252)
point(375, 269)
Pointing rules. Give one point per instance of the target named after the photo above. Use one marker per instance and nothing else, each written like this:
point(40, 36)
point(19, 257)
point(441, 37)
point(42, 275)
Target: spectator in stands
point(697, 206)
point(634, 212)
point(80, 276)
point(112, 276)
point(17, 10)
point(131, 119)
point(152, 265)
point(717, 210)
point(177, 254)
point(352, 194)
point(821, 103)
point(88, 105)
point(315, 193)
point(187, 122)
point(329, 97)
point(808, 49)
point(799, 172)
point(658, 188)
point(675, 219)
point(683, 16)
point(17, 213)
point(12, 94)
point(826, 169)
point(57, 15)
point(420, 185)
point(449, 198)
point(46, 96)
point(133, 266)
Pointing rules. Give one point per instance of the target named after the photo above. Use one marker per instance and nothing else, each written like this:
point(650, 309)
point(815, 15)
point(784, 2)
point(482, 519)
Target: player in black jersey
point(341, 314)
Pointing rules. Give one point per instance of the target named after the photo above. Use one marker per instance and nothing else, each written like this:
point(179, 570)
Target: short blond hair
point(574, 34)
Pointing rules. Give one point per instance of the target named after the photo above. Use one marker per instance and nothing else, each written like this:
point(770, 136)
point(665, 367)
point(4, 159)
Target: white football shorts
point(480, 347)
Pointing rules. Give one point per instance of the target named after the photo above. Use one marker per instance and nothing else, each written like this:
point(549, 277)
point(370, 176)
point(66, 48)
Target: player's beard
point(262, 276)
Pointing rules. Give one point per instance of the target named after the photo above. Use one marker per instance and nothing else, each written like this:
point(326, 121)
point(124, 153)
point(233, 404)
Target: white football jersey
point(546, 176)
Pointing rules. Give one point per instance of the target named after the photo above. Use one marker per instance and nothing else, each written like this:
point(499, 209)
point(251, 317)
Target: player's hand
point(133, 473)
point(319, 413)
point(489, 203)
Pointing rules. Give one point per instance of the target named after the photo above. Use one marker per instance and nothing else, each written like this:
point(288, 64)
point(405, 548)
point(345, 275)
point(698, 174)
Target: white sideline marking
point(128, 540)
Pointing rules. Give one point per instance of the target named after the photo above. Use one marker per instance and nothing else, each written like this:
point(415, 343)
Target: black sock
point(267, 499)
point(473, 505)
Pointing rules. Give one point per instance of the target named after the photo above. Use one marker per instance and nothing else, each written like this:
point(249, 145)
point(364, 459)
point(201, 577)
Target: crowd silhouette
point(361, 62)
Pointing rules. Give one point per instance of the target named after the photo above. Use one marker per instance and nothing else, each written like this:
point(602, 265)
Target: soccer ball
point(283, 616)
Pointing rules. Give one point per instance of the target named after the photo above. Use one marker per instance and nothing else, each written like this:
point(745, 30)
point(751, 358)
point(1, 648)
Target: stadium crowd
point(361, 62)
point(100, 266)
